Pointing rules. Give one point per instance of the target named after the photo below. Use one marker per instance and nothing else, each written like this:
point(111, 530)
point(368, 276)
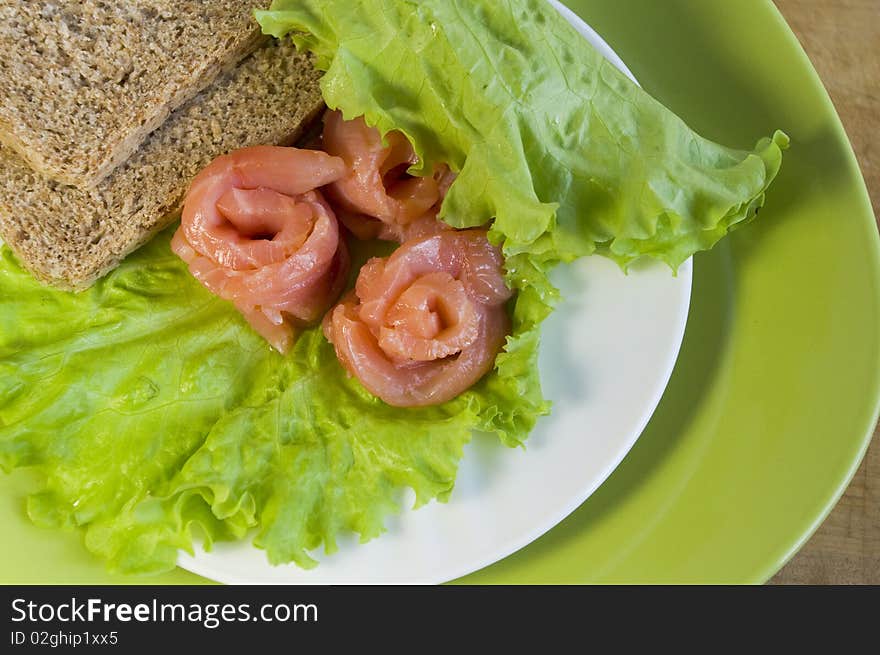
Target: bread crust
point(68, 237)
point(83, 83)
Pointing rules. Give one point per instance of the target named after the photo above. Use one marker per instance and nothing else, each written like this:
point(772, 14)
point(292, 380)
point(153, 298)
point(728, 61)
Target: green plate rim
point(872, 236)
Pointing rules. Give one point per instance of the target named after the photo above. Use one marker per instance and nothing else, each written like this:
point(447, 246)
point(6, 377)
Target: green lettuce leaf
point(152, 413)
point(549, 139)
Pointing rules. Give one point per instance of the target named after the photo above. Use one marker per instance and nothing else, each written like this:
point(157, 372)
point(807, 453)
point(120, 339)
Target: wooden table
point(842, 38)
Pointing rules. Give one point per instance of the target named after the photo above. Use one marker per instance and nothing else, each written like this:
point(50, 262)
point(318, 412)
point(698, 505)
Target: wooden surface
point(842, 38)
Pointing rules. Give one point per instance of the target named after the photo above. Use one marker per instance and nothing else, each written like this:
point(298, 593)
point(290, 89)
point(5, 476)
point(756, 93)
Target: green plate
point(776, 391)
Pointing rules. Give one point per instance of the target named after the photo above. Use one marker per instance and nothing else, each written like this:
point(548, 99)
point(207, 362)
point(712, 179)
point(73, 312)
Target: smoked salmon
point(426, 323)
point(257, 231)
point(377, 198)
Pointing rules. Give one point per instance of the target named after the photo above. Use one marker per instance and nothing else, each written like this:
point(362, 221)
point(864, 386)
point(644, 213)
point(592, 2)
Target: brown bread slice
point(83, 83)
point(69, 237)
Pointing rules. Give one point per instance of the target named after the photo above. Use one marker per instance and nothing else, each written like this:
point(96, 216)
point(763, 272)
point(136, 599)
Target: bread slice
point(68, 237)
point(83, 83)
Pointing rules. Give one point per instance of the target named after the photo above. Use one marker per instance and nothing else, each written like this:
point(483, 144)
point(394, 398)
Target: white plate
point(607, 354)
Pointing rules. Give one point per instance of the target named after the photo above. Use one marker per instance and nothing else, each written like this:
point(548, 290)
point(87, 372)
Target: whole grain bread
point(68, 237)
point(83, 83)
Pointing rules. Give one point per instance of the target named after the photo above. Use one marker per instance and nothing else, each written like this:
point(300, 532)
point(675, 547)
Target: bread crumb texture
point(83, 83)
point(69, 236)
